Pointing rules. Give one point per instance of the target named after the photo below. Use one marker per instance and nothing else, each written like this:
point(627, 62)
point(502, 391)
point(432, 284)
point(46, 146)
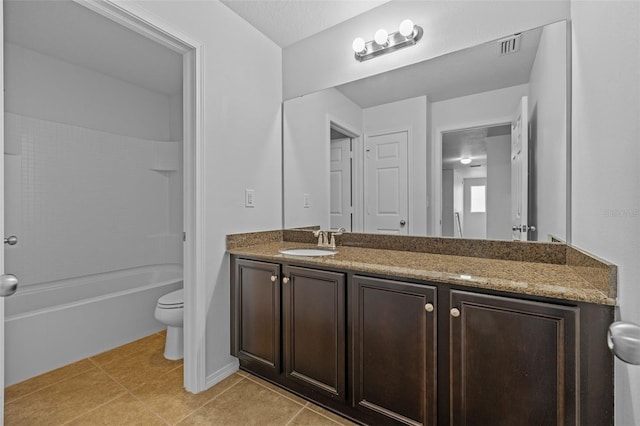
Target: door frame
point(144, 23)
point(436, 166)
point(356, 166)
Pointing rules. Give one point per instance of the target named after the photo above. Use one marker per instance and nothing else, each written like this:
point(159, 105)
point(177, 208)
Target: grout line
point(149, 409)
point(276, 392)
point(50, 384)
point(295, 415)
point(95, 408)
point(310, 407)
point(212, 399)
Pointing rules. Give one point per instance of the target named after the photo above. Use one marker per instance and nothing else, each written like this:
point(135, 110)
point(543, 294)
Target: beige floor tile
point(141, 367)
point(149, 344)
point(125, 410)
point(336, 418)
point(64, 400)
point(246, 403)
point(310, 418)
point(277, 389)
point(26, 387)
point(168, 398)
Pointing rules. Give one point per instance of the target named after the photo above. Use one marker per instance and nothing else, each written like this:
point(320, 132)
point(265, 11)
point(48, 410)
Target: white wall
point(411, 115)
point(605, 154)
point(306, 153)
point(547, 111)
point(242, 127)
point(493, 107)
point(44, 87)
point(326, 59)
point(499, 187)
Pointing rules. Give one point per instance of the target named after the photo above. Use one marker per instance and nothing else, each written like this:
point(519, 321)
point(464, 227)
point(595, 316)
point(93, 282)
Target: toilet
point(170, 311)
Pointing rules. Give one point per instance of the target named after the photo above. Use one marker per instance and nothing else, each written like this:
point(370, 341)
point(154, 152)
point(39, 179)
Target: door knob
point(12, 240)
point(8, 285)
point(403, 222)
point(455, 312)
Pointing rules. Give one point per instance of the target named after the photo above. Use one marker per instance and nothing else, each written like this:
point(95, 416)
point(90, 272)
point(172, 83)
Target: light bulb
point(466, 160)
point(381, 37)
point(358, 45)
point(406, 28)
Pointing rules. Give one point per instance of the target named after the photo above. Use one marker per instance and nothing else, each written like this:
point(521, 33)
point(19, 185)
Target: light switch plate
point(249, 198)
point(306, 203)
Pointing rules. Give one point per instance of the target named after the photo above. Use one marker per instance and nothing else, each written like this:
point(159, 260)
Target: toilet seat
point(173, 300)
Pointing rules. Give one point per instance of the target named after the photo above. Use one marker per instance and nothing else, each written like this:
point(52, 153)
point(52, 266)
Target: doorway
point(476, 182)
point(185, 233)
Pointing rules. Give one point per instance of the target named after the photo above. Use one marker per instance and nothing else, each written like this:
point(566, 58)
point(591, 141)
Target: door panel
point(519, 171)
point(512, 362)
point(314, 329)
point(395, 347)
point(386, 184)
point(256, 322)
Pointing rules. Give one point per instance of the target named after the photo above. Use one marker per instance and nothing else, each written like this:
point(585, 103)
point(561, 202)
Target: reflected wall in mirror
point(383, 154)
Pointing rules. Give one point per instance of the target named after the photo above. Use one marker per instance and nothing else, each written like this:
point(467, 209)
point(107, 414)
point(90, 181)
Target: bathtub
point(51, 325)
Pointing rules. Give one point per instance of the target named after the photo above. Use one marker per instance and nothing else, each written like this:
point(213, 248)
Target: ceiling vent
point(509, 45)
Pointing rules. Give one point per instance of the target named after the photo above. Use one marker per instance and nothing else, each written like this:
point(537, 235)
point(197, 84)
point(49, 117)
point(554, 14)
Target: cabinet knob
point(274, 278)
point(428, 307)
point(455, 312)
point(285, 280)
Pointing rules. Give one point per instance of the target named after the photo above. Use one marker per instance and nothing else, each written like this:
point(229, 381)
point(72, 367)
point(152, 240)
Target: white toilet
point(170, 311)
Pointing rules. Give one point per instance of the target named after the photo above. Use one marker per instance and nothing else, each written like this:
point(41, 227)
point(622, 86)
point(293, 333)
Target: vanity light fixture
point(465, 160)
point(407, 35)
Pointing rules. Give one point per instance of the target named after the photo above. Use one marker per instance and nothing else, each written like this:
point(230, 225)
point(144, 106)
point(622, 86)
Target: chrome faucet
point(326, 239)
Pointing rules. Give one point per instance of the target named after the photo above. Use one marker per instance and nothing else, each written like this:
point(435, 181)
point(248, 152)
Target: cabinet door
point(512, 361)
point(395, 351)
point(255, 320)
point(314, 329)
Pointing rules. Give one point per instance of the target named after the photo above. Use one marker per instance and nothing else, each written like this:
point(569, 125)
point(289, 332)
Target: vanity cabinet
point(512, 361)
point(394, 341)
point(288, 325)
point(387, 351)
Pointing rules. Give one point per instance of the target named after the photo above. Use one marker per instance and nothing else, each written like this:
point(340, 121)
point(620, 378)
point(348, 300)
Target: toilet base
point(174, 345)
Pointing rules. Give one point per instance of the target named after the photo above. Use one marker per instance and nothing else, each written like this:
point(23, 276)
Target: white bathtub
point(51, 325)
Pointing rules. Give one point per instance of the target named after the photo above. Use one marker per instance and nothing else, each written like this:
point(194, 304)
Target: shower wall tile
point(87, 202)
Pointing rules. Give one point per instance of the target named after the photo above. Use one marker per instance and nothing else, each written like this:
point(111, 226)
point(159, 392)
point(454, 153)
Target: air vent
point(476, 165)
point(509, 45)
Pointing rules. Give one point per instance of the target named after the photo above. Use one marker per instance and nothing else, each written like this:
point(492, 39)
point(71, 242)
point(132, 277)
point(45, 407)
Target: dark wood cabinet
point(394, 341)
point(315, 329)
point(384, 351)
point(255, 320)
point(512, 361)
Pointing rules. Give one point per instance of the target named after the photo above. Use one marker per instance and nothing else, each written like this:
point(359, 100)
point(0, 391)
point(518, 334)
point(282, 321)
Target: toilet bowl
point(170, 311)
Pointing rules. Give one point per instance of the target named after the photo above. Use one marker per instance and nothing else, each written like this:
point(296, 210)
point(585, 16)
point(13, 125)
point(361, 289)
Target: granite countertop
point(552, 280)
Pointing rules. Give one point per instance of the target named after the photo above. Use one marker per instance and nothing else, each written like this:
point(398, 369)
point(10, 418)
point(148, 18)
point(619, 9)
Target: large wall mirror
point(472, 144)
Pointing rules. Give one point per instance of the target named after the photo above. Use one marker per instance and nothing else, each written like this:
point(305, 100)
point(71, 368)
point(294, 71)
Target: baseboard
point(221, 374)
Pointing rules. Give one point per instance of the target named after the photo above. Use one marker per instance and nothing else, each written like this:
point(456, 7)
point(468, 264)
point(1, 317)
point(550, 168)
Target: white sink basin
point(308, 252)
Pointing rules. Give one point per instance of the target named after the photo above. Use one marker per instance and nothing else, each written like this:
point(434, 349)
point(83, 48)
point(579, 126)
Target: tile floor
point(135, 385)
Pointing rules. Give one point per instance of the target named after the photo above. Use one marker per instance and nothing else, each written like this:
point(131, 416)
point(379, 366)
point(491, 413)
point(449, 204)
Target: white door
point(2, 211)
point(386, 201)
point(519, 172)
point(340, 190)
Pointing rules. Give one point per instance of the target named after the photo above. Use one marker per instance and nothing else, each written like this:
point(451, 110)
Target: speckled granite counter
point(553, 270)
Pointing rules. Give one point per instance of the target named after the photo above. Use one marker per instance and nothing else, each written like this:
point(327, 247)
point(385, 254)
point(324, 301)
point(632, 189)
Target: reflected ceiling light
point(383, 42)
point(465, 160)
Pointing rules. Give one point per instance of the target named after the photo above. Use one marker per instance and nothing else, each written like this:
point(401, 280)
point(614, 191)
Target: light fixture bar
point(394, 42)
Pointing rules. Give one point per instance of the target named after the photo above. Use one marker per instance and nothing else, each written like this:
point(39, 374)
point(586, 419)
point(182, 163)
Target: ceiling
point(286, 22)
point(471, 143)
point(75, 34)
